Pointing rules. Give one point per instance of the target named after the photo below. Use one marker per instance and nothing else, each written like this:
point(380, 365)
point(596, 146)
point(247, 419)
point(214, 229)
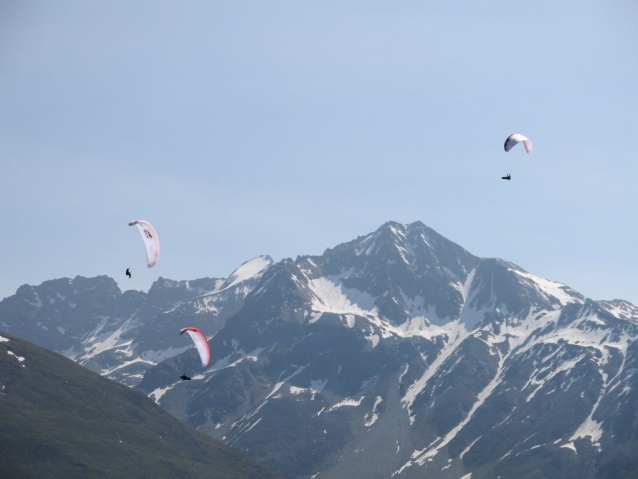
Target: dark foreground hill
point(60, 420)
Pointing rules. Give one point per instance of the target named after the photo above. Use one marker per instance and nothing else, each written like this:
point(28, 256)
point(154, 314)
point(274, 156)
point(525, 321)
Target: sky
point(243, 128)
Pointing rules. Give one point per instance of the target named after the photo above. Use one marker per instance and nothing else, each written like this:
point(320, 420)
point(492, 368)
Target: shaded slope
point(58, 419)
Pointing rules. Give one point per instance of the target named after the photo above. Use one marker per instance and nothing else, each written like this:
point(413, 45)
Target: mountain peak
point(399, 345)
point(620, 308)
point(250, 269)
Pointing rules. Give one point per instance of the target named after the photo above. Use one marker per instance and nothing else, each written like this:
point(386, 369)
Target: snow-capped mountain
point(400, 354)
point(120, 335)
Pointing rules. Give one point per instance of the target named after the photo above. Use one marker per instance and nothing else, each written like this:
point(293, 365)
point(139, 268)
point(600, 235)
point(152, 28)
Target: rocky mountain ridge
point(120, 335)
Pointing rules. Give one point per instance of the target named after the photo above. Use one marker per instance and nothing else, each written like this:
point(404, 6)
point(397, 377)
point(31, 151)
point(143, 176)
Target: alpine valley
point(398, 354)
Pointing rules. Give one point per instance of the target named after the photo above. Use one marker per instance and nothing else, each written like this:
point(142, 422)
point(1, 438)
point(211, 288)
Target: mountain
point(400, 354)
point(60, 420)
point(120, 335)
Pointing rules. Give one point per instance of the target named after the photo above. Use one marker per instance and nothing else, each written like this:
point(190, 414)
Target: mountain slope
point(58, 419)
point(401, 354)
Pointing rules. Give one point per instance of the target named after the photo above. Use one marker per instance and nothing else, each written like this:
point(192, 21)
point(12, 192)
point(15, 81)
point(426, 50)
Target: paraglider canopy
point(201, 343)
point(512, 140)
point(151, 241)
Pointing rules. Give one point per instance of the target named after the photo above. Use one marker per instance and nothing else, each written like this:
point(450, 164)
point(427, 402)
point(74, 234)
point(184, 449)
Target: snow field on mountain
point(521, 336)
point(550, 288)
point(331, 296)
point(101, 341)
point(621, 309)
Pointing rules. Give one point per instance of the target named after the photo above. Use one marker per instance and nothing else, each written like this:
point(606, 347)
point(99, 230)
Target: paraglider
point(201, 343)
point(512, 140)
point(151, 241)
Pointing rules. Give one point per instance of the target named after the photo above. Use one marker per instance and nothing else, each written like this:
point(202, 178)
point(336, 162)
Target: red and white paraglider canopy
point(151, 241)
point(201, 343)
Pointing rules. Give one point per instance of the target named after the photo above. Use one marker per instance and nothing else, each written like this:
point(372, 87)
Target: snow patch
point(281, 383)
point(350, 320)
point(318, 384)
point(315, 387)
point(252, 425)
point(589, 428)
point(466, 450)
point(570, 445)
point(155, 357)
point(331, 296)
point(373, 339)
point(107, 372)
point(347, 403)
point(235, 358)
point(19, 358)
point(371, 417)
point(159, 392)
point(553, 289)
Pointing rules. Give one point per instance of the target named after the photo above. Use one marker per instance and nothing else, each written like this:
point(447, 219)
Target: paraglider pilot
point(508, 177)
point(184, 377)
point(128, 273)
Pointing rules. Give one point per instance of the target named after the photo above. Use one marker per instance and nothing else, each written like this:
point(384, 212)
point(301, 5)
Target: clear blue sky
point(241, 128)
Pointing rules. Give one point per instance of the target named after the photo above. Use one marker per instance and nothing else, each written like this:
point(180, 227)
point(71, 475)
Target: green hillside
point(60, 420)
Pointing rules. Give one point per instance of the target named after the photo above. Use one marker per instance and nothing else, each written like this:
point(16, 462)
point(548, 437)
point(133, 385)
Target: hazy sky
point(241, 128)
